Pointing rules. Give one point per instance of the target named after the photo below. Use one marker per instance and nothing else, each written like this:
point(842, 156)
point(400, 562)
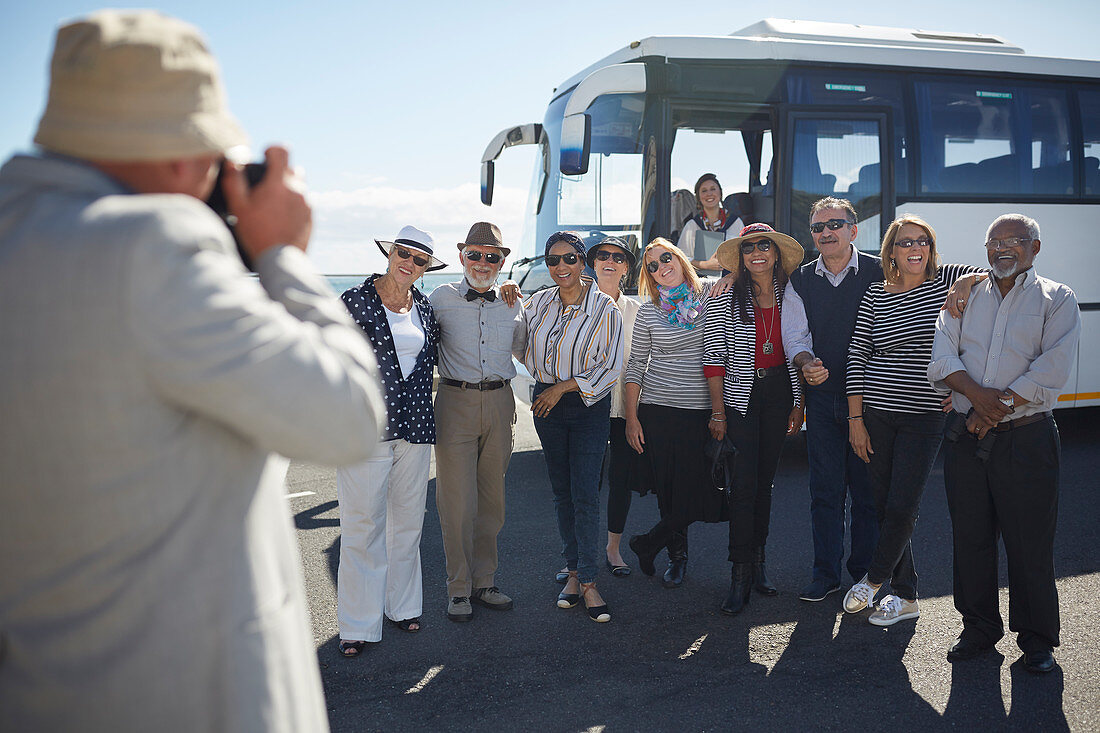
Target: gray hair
point(830, 202)
point(1027, 221)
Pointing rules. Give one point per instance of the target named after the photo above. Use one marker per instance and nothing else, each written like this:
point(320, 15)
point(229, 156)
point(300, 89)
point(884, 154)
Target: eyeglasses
point(1008, 242)
point(406, 254)
point(907, 243)
point(833, 224)
point(604, 255)
point(759, 244)
point(570, 258)
point(665, 258)
point(474, 256)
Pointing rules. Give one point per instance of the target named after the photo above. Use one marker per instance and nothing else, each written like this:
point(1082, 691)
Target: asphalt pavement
point(670, 661)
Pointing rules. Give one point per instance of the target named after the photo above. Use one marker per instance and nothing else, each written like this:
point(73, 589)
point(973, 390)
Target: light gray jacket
point(149, 574)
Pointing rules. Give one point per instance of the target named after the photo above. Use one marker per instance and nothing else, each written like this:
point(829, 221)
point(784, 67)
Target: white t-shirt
point(408, 338)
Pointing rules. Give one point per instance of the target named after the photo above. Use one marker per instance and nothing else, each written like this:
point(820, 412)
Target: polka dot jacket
point(409, 412)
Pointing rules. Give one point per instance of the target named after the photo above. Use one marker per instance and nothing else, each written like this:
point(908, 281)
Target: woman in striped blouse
point(574, 351)
point(667, 404)
point(755, 395)
point(895, 418)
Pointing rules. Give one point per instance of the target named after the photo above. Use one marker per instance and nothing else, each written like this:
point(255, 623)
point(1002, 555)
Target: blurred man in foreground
point(149, 575)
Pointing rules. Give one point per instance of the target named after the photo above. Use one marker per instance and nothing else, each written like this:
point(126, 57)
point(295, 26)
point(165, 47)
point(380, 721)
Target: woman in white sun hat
point(379, 571)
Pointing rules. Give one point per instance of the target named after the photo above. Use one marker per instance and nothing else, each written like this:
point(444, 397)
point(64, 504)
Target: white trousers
point(381, 520)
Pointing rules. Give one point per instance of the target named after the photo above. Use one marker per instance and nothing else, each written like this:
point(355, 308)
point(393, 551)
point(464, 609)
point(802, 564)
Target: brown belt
point(481, 386)
point(1004, 427)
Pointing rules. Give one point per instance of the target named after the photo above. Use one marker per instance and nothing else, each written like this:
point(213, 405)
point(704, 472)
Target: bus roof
point(795, 40)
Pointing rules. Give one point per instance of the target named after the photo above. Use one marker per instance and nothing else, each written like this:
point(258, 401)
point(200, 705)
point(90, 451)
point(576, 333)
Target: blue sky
point(388, 107)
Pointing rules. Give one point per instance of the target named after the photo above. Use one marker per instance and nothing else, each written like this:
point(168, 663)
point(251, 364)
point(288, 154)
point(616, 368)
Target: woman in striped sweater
point(895, 418)
point(667, 404)
point(755, 395)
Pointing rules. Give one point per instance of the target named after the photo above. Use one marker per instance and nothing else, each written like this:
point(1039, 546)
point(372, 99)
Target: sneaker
point(860, 596)
point(817, 590)
point(892, 609)
point(492, 598)
point(459, 609)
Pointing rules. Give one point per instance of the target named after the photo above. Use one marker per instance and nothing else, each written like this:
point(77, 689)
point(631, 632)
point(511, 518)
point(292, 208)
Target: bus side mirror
point(576, 144)
point(487, 182)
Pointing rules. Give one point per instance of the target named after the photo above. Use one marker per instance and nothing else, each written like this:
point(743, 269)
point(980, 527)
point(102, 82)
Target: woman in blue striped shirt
point(575, 352)
point(895, 417)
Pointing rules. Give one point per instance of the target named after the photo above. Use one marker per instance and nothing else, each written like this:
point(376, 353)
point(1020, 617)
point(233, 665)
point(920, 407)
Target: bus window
point(695, 152)
point(837, 157)
point(1090, 125)
point(840, 87)
point(980, 138)
point(607, 196)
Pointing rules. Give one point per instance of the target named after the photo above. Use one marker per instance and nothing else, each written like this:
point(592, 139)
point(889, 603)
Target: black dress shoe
point(965, 648)
point(645, 557)
point(674, 574)
point(1039, 662)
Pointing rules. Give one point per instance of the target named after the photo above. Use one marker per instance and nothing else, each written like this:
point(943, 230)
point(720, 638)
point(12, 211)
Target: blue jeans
point(574, 438)
point(905, 447)
point(835, 473)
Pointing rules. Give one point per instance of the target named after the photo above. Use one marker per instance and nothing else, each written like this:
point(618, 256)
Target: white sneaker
point(892, 609)
point(859, 596)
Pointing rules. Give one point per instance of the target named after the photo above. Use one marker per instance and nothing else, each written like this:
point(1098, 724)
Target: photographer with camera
point(149, 574)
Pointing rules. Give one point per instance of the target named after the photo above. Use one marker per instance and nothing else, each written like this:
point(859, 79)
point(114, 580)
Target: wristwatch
point(1009, 402)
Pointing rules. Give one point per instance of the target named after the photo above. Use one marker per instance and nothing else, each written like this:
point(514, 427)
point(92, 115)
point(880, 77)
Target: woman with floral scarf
point(667, 404)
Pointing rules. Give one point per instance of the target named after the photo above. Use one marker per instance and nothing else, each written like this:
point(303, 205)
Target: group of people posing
point(690, 390)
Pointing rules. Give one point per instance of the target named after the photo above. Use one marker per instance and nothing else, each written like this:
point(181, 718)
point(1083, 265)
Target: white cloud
point(346, 223)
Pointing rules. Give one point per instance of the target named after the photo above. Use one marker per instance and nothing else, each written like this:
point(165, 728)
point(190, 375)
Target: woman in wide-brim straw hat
point(382, 499)
point(755, 394)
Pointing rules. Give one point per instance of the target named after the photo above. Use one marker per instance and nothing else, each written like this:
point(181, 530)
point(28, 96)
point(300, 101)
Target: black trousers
point(759, 435)
point(1014, 494)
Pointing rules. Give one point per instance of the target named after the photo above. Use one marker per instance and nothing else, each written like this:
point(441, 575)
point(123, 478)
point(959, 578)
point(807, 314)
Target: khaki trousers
point(474, 436)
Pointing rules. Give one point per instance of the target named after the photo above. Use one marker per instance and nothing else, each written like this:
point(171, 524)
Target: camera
point(253, 173)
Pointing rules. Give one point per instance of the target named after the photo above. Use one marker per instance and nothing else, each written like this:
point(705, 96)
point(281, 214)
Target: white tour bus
point(958, 128)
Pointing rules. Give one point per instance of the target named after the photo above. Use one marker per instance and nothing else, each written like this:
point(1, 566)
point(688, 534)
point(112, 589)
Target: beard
point(478, 280)
point(1002, 270)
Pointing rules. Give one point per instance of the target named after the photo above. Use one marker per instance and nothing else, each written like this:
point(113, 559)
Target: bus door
point(834, 152)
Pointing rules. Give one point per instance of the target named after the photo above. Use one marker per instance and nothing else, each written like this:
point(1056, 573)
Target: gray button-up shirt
point(478, 337)
point(1026, 342)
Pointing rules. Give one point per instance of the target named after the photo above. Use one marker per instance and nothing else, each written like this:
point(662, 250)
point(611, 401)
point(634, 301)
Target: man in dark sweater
point(831, 288)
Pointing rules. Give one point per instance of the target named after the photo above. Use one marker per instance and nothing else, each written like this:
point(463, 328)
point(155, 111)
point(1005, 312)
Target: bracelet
point(855, 417)
point(717, 418)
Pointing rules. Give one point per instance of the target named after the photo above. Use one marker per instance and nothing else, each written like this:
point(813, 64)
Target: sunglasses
point(907, 243)
point(759, 244)
point(833, 224)
point(570, 258)
point(604, 255)
point(491, 257)
point(406, 254)
point(653, 266)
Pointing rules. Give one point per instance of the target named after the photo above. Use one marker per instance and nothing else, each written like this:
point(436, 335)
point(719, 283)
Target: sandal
point(407, 625)
point(351, 649)
point(600, 614)
point(568, 600)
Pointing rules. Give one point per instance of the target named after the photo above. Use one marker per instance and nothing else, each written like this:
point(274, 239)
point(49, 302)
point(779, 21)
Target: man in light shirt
point(1005, 362)
point(475, 415)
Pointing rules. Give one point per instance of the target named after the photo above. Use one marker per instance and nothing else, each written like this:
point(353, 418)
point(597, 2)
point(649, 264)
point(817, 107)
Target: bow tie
point(472, 295)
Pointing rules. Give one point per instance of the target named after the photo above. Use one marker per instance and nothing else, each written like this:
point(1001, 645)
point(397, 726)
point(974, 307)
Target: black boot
point(740, 589)
point(677, 560)
point(640, 544)
point(760, 581)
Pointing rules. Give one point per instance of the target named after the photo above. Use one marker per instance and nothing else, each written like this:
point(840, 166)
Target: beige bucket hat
point(135, 86)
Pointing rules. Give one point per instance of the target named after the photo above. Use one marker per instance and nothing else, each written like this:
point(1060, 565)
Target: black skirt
point(625, 468)
point(674, 443)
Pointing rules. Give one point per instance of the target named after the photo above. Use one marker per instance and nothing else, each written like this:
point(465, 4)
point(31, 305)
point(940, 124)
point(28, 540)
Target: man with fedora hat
point(475, 414)
point(149, 575)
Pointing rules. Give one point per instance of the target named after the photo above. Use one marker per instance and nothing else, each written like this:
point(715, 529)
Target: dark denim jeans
point(905, 447)
point(574, 438)
point(835, 473)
